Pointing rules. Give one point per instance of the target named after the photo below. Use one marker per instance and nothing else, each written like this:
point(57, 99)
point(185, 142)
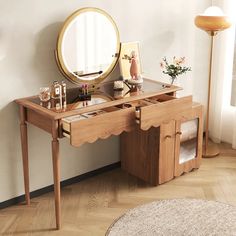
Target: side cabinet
point(137, 156)
point(176, 146)
point(188, 141)
point(166, 155)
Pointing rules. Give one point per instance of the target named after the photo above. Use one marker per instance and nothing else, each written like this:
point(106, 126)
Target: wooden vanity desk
point(161, 135)
point(149, 119)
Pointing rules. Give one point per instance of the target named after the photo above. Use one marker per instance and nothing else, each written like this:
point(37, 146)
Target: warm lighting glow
point(213, 11)
point(213, 20)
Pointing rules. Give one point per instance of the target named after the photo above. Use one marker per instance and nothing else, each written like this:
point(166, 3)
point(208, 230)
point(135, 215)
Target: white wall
point(28, 31)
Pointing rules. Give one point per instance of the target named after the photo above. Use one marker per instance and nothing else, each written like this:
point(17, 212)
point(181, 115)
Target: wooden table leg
point(56, 176)
point(24, 147)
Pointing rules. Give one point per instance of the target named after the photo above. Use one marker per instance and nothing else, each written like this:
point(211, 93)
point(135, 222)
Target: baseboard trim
point(76, 179)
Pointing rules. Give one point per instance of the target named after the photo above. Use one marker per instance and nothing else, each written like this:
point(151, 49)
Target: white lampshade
point(213, 11)
point(213, 20)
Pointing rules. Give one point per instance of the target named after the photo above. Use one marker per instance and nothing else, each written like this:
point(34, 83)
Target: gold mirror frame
point(58, 52)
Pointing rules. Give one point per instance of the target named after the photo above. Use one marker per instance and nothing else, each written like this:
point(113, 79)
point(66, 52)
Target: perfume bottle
point(63, 93)
point(44, 94)
point(56, 95)
point(63, 88)
point(56, 90)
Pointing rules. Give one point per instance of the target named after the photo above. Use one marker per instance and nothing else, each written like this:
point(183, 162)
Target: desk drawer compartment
point(88, 127)
point(164, 107)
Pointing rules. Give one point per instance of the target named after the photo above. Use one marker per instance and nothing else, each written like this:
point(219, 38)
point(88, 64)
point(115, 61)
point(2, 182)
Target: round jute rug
point(177, 217)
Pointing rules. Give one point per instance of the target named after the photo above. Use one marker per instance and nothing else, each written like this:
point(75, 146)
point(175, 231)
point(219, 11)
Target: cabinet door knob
point(179, 132)
point(168, 136)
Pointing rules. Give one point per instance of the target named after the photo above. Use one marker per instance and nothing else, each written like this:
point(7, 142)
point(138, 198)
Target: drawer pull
point(167, 136)
point(179, 133)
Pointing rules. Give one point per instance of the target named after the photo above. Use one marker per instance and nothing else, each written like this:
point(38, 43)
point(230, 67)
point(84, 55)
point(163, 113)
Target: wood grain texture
point(56, 177)
point(140, 153)
point(90, 207)
point(142, 160)
point(56, 173)
point(155, 114)
point(167, 152)
point(155, 159)
point(102, 126)
point(24, 149)
point(26, 102)
point(39, 120)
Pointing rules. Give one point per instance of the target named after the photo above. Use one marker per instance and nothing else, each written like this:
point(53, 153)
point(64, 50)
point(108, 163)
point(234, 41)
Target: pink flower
point(182, 59)
point(162, 65)
point(179, 61)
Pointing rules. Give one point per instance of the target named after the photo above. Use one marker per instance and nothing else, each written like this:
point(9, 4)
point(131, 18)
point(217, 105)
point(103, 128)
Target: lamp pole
point(209, 151)
point(212, 21)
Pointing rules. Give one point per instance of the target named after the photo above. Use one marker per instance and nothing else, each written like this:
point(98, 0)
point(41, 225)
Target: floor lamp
point(212, 21)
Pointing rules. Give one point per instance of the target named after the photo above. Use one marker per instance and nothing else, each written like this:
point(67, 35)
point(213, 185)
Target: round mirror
point(88, 46)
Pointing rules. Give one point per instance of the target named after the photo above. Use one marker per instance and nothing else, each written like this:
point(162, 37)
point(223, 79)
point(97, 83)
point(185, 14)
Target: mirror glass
point(88, 45)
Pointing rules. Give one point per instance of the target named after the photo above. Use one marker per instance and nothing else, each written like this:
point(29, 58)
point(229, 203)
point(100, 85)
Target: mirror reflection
point(89, 45)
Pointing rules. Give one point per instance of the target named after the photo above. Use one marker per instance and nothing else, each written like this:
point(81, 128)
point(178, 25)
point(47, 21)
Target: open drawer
point(163, 107)
point(88, 127)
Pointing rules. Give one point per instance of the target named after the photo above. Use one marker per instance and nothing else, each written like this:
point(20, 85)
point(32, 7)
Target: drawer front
point(102, 126)
point(154, 115)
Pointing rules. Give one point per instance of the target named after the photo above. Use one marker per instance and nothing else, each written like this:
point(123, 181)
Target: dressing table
point(160, 134)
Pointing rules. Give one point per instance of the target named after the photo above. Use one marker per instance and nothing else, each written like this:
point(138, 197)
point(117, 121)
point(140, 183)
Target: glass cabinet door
point(188, 140)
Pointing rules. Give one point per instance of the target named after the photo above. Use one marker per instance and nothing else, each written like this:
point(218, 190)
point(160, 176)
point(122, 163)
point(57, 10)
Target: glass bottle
point(56, 90)
point(63, 88)
point(44, 94)
point(63, 93)
point(56, 95)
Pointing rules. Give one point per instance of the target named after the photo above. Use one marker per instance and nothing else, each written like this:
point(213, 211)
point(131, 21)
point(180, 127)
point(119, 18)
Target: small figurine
point(136, 78)
point(134, 66)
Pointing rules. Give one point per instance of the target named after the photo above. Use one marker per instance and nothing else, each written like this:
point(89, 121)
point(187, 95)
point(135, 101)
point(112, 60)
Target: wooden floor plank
point(89, 207)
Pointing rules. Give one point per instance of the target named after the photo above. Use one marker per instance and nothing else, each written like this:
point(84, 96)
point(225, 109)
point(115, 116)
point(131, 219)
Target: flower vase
point(173, 80)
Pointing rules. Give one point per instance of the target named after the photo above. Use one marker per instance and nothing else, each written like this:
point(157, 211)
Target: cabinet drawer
point(163, 108)
point(88, 127)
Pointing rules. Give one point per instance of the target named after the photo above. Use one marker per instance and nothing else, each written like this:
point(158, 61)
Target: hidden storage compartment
point(87, 115)
point(161, 98)
point(162, 107)
point(147, 102)
point(137, 106)
point(89, 126)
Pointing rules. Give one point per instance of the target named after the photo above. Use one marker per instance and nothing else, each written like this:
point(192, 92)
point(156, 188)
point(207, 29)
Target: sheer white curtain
point(222, 117)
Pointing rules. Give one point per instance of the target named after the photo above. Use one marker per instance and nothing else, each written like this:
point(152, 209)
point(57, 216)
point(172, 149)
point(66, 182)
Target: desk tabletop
point(103, 96)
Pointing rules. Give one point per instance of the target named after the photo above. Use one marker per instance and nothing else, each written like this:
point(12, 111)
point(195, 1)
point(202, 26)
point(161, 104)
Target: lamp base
point(211, 150)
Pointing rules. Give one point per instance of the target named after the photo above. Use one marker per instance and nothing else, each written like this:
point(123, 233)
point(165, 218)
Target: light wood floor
point(89, 207)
